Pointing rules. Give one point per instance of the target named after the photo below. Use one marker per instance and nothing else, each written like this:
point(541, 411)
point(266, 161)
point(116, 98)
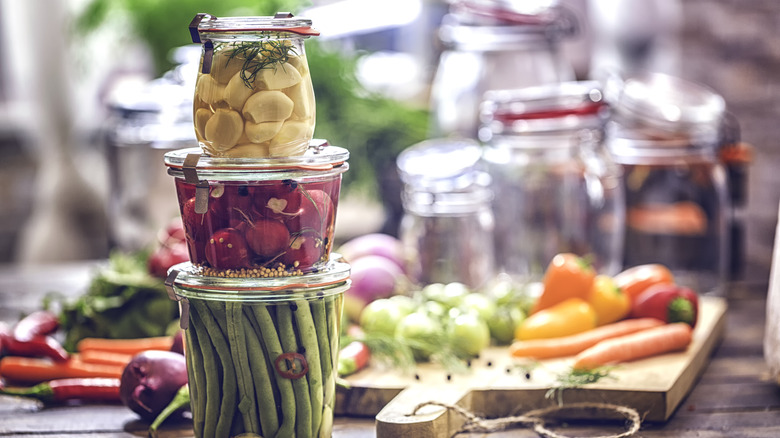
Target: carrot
point(650, 342)
point(104, 357)
point(573, 344)
point(35, 370)
point(126, 346)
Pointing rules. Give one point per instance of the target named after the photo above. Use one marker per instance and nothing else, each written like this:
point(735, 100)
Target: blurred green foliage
point(373, 128)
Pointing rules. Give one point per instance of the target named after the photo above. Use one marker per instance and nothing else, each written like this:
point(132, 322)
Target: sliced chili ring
point(291, 365)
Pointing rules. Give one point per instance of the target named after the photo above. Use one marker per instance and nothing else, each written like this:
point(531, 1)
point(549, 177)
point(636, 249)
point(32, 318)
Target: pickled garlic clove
point(300, 64)
point(209, 90)
point(224, 129)
point(225, 65)
point(279, 76)
point(247, 150)
point(202, 115)
point(302, 96)
point(260, 132)
point(268, 106)
point(291, 140)
point(236, 92)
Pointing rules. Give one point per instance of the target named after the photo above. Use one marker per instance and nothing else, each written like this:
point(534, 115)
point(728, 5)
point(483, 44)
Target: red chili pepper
point(37, 346)
point(41, 322)
point(669, 303)
point(295, 365)
point(353, 358)
point(97, 389)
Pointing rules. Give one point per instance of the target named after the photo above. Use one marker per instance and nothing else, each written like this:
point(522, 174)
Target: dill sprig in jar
point(254, 96)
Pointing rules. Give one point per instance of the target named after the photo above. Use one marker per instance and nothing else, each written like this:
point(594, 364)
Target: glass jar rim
point(284, 22)
point(318, 158)
point(440, 164)
point(186, 280)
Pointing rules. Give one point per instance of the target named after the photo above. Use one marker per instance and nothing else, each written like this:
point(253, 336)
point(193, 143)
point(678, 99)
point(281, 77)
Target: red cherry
point(305, 249)
point(227, 249)
point(267, 237)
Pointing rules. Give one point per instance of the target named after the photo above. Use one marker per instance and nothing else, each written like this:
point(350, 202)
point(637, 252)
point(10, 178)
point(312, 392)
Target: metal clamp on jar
point(556, 188)
point(495, 44)
point(665, 132)
point(448, 223)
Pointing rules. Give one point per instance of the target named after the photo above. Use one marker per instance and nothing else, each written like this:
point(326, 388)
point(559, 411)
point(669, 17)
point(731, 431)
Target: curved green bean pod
point(239, 353)
point(211, 396)
point(266, 402)
point(273, 346)
point(196, 378)
point(303, 407)
point(308, 334)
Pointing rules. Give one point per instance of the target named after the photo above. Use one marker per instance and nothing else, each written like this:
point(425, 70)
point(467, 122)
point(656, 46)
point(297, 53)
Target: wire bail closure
point(184, 303)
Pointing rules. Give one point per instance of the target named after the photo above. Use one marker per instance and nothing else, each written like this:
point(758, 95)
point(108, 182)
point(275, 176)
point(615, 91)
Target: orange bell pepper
point(569, 317)
point(635, 280)
point(609, 302)
point(567, 276)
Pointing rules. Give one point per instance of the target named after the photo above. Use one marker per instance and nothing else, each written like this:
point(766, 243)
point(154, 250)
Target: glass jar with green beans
point(261, 353)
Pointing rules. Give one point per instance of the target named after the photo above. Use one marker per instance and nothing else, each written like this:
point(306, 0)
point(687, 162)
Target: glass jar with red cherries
point(256, 217)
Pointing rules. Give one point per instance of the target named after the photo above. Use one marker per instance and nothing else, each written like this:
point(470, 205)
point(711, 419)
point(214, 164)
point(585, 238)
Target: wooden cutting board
point(495, 386)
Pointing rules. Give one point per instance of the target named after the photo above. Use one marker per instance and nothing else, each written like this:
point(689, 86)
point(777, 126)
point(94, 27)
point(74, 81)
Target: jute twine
point(534, 418)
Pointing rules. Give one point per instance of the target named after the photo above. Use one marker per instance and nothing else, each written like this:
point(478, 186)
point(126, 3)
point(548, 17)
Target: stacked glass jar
point(261, 298)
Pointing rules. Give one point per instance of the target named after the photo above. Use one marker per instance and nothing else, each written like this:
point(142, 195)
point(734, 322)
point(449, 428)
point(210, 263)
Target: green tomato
point(381, 317)
point(480, 304)
point(421, 331)
point(406, 304)
point(450, 294)
point(503, 324)
point(469, 334)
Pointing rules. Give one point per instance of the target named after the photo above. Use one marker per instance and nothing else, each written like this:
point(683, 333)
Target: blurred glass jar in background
point(556, 188)
point(495, 44)
point(447, 226)
point(665, 132)
point(144, 123)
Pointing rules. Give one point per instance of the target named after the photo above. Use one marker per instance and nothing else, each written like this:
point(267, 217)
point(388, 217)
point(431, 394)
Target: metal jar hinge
point(190, 169)
point(208, 45)
point(184, 303)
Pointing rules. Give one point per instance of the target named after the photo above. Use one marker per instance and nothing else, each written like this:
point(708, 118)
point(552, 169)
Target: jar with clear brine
point(254, 96)
point(665, 133)
point(556, 189)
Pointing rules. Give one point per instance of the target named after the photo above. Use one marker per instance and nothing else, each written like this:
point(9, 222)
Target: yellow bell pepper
point(608, 300)
point(568, 317)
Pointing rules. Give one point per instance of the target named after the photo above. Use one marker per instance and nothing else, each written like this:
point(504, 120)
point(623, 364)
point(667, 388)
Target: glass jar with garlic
point(254, 96)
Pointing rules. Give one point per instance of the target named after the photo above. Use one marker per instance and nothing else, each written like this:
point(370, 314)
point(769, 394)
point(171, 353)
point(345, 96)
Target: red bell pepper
point(668, 302)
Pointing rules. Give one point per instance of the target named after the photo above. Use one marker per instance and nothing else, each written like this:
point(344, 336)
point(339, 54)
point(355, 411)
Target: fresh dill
point(259, 55)
point(575, 379)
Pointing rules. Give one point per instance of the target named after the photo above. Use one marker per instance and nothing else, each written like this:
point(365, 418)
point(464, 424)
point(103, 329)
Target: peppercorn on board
point(497, 385)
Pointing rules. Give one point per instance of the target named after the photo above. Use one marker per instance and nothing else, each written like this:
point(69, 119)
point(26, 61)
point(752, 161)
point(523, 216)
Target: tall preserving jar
point(254, 95)
point(447, 226)
point(556, 188)
point(665, 132)
point(495, 44)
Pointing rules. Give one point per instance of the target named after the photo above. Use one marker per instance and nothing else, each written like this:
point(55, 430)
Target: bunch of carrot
point(614, 330)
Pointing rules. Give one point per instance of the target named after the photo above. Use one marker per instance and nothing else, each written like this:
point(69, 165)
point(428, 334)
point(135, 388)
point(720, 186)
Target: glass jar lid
point(546, 108)
point(483, 25)
point(667, 103)
point(320, 158)
point(186, 280)
point(440, 165)
point(283, 22)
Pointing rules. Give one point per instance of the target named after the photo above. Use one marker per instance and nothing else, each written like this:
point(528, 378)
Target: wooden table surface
point(734, 397)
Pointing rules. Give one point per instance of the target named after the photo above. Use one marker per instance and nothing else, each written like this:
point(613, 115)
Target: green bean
point(197, 384)
point(303, 424)
point(319, 312)
point(229, 390)
point(326, 430)
point(309, 331)
point(211, 398)
point(274, 349)
point(238, 349)
point(266, 402)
